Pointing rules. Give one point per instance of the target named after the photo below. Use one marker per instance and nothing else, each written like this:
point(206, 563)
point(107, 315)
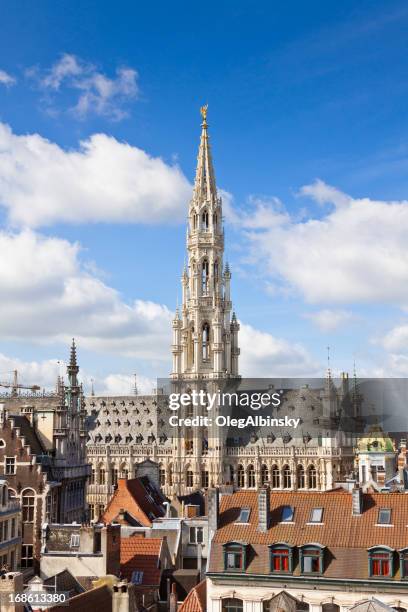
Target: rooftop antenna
point(135, 389)
point(328, 364)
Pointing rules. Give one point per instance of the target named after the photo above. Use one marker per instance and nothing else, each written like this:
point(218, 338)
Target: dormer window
point(244, 515)
point(384, 516)
point(403, 555)
point(281, 558)
point(311, 559)
point(235, 556)
point(287, 514)
point(380, 562)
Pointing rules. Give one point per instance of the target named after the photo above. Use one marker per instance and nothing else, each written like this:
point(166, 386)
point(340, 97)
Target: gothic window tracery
point(275, 477)
point(301, 482)
point(312, 477)
point(287, 479)
point(206, 342)
point(205, 272)
point(251, 476)
point(240, 476)
point(205, 220)
point(264, 474)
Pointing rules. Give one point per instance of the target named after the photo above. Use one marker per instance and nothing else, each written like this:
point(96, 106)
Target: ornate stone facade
point(43, 458)
point(124, 431)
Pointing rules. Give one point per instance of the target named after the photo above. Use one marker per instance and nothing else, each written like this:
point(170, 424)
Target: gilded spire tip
point(203, 111)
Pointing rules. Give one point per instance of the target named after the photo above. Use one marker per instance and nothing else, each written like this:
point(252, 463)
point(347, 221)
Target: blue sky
point(297, 92)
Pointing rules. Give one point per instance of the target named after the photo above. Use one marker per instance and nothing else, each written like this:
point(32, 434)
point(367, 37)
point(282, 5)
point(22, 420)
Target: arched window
point(332, 607)
point(4, 496)
point(205, 220)
point(287, 479)
point(93, 476)
point(102, 476)
point(114, 476)
point(170, 472)
point(124, 472)
point(195, 220)
point(204, 479)
point(232, 605)
point(189, 478)
point(162, 476)
point(205, 273)
point(275, 477)
point(264, 474)
point(216, 270)
point(251, 476)
point(28, 503)
point(206, 342)
point(231, 471)
point(215, 221)
point(312, 477)
point(301, 477)
point(240, 476)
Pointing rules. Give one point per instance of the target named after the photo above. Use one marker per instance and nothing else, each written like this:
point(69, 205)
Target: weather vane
point(203, 111)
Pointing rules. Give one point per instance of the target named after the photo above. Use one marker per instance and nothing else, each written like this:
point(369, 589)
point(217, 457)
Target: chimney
point(356, 501)
point(213, 510)
point(120, 597)
point(173, 598)
point(263, 509)
point(10, 583)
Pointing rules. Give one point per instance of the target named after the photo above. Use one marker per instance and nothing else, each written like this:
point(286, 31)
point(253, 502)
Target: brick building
point(43, 459)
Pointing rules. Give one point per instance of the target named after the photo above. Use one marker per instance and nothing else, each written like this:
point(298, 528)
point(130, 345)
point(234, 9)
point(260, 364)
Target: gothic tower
point(205, 337)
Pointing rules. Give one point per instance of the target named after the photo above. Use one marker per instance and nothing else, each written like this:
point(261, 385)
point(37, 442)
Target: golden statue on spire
point(203, 111)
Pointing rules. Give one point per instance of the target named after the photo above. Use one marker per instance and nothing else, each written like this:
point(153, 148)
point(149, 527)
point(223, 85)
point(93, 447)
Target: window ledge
point(286, 522)
point(383, 525)
point(313, 523)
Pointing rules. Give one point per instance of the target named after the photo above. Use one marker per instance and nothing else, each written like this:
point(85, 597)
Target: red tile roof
point(196, 600)
point(138, 498)
point(339, 527)
point(141, 554)
point(345, 536)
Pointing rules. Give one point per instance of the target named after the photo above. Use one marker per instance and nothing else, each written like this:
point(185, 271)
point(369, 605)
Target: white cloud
point(263, 355)
point(42, 373)
point(356, 252)
point(6, 79)
point(328, 320)
point(98, 93)
point(123, 384)
point(47, 295)
point(396, 340)
point(103, 180)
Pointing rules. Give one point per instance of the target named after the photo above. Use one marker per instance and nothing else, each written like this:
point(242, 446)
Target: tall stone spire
point(204, 184)
point(72, 367)
point(205, 339)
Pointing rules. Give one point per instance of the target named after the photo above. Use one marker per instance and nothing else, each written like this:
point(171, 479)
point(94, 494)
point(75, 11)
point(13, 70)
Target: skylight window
point(137, 577)
point(244, 515)
point(316, 515)
point(287, 514)
point(384, 516)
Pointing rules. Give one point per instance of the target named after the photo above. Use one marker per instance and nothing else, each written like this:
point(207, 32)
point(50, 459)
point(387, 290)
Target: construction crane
point(15, 385)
